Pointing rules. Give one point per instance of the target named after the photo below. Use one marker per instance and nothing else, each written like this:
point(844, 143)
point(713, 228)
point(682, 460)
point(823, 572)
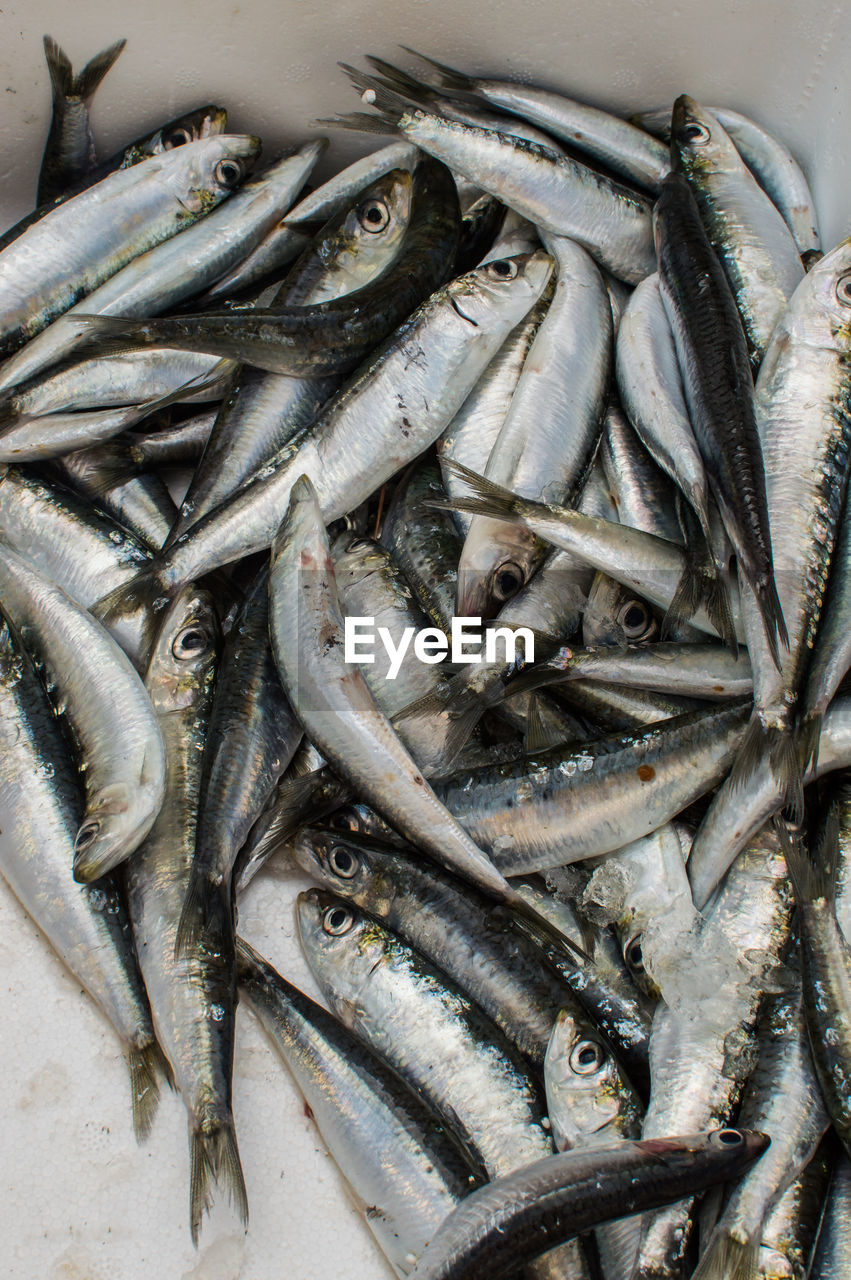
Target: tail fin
point(772, 617)
point(214, 1157)
point(207, 915)
point(142, 593)
point(359, 122)
point(543, 931)
point(297, 801)
point(716, 599)
point(112, 335)
point(59, 66)
point(779, 745)
point(728, 1259)
point(95, 69)
point(685, 601)
point(144, 1065)
point(489, 498)
point(809, 740)
point(386, 101)
point(448, 77)
point(813, 878)
point(394, 78)
point(463, 706)
point(542, 732)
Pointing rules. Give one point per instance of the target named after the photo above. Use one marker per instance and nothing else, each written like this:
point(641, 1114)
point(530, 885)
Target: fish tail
point(728, 1259)
point(463, 707)
point(144, 1066)
point(358, 121)
point(214, 1158)
point(716, 598)
point(448, 76)
point(547, 935)
point(541, 734)
point(685, 601)
point(813, 878)
point(778, 744)
point(809, 740)
point(191, 923)
point(59, 66)
point(142, 593)
point(395, 78)
point(772, 617)
point(112, 335)
point(295, 804)
point(489, 498)
point(95, 69)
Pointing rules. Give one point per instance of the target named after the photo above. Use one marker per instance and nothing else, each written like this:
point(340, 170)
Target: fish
point(100, 230)
point(719, 392)
point(754, 245)
point(192, 1000)
point(120, 749)
point(561, 195)
point(69, 152)
point(41, 805)
point(554, 1199)
point(403, 1166)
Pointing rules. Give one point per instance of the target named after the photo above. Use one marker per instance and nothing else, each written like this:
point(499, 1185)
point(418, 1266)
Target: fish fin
point(684, 602)
point(449, 77)
point(358, 121)
point(95, 69)
point(214, 1157)
point(463, 707)
point(728, 1259)
point(813, 878)
point(394, 78)
point(144, 1066)
point(140, 593)
point(428, 705)
point(489, 498)
point(623, 1242)
point(773, 621)
point(247, 959)
point(547, 935)
point(289, 810)
point(539, 735)
point(716, 599)
point(111, 335)
point(389, 104)
point(778, 743)
point(191, 924)
point(59, 66)
point(809, 740)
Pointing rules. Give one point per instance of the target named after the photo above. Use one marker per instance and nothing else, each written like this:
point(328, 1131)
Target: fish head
point(724, 1152)
point(346, 865)
point(202, 173)
point(509, 285)
point(183, 659)
point(587, 1095)
point(342, 946)
point(820, 310)
point(369, 230)
point(204, 122)
point(497, 560)
point(615, 615)
point(109, 831)
point(699, 144)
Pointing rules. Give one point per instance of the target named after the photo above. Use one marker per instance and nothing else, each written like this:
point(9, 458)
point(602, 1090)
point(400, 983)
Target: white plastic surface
point(78, 1199)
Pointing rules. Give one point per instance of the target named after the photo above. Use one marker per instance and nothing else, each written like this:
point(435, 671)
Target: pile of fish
point(583, 905)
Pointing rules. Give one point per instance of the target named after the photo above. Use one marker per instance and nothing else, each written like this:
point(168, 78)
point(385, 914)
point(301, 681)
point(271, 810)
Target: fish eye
point(843, 289)
point(636, 620)
point(228, 173)
point(86, 835)
point(728, 1137)
point(507, 581)
point(342, 862)
point(586, 1057)
point(373, 215)
point(337, 921)
point(504, 269)
point(176, 138)
point(633, 954)
point(344, 820)
point(191, 642)
point(695, 133)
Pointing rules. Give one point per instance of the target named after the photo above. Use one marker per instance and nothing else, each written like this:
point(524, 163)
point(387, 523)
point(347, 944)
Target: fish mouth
point(462, 314)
